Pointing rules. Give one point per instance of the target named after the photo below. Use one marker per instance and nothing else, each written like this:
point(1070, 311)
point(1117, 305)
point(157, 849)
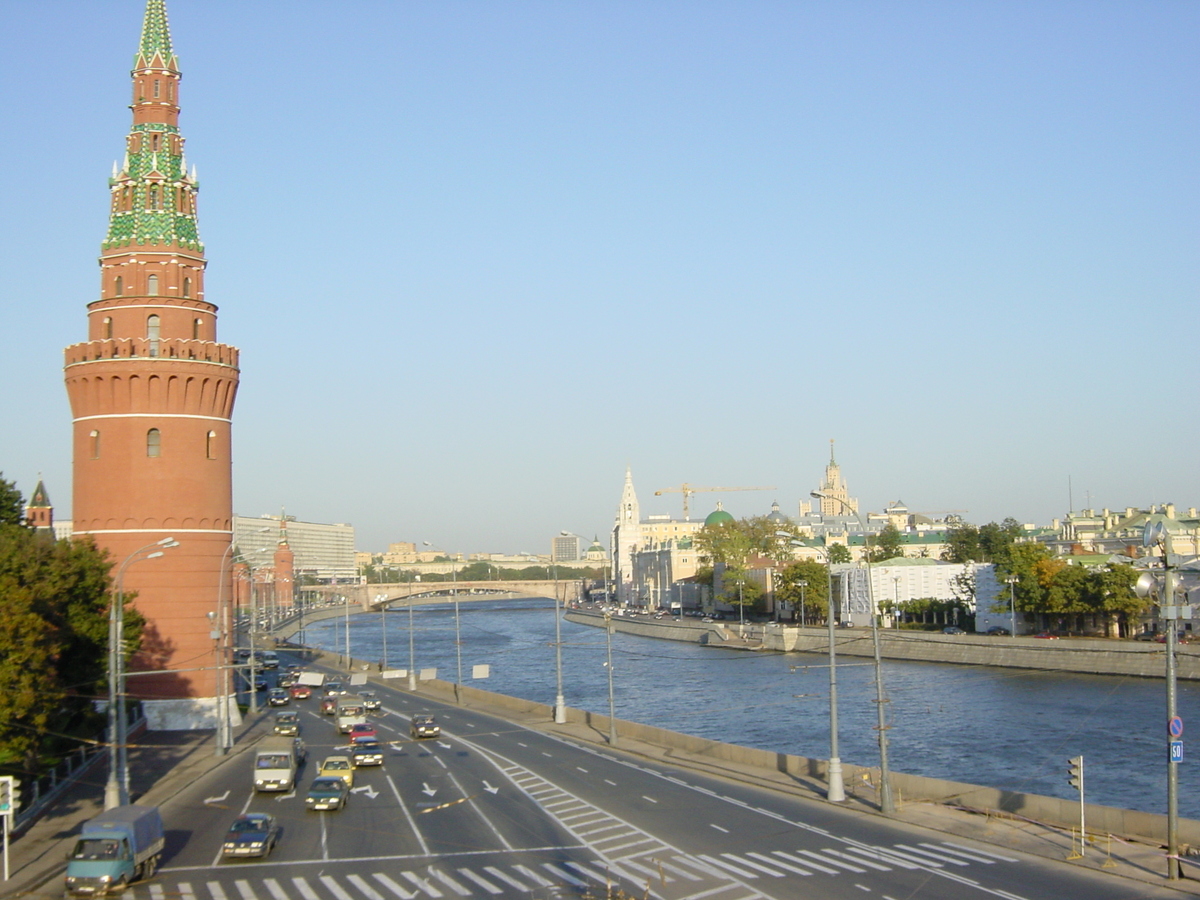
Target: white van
point(275, 764)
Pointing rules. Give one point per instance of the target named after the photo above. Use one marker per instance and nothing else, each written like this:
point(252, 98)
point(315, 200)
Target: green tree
point(12, 504)
point(888, 544)
point(839, 553)
point(816, 590)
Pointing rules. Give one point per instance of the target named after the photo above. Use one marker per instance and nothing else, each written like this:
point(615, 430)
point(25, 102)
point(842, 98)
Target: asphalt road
point(493, 810)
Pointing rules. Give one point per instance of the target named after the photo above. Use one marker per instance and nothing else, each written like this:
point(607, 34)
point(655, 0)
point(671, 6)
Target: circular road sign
point(1175, 726)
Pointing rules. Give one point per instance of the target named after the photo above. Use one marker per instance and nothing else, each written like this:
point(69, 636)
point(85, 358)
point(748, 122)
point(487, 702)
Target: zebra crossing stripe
point(185, 891)
point(804, 862)
point(609, 827)
point(422, 884)
point(335, 888)
point(449, 882)
point(218, 892)
point(774, 873)
point(507, 879)
point(982, 852)
point(276, 891)
point(245, 890)
point(533, 876)
point(793, 869)
point(701, 867)
point(482, 882)
point(640, 842)
point(564, 875)
point(721, 864)
point(859, 852)
point(646, 870)
point(676, 870)
point(937, 856)
point(305, 891)
point(598, 877)
point(838, 863)
point(369, 892)
point(387, 882)
point(156, 892)
point(898, 854)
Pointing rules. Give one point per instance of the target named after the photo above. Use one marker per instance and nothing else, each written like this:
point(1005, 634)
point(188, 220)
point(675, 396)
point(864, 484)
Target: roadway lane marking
point(275, 890)
point(519, 744)
point(804, 862)
point(400, 892)
point(919, 861)
point(859, 852)
point(422, 884)
point(675, 870)
point(156, 892)
point(482, 882)
point(981, 852)
point(218, 893)
point(407, 815)
point(185, 891)
point(721, 864)
point(305, 891)
point(479, 812)
point(439, 761)
point(719, 828)
point(449, 882)
point(863, 887)
point(245, 890)
point(920, 854)
point(533, 876)
point(774, 873)
point(324, 840)
point(335, 888)
point(564, 875)
point(598, 877)
point(613, 783)
point(650, 874)
point(651, 799)
point(794, 869)
point(500, 876)
point(844, 865)
point(365, 889)
point(582, 769)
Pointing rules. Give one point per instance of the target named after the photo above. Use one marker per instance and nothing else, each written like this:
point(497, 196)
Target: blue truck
point(115, 849)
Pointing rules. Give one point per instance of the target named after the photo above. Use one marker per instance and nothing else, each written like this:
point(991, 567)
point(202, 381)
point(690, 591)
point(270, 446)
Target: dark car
point(998, 630)
point(278, 697)
point(366, 753)
point(370, 700)
point(287, 723)
point(328, 705)
point(425, 727)
point(327, 792)
point(952, 629)
point(252, 834)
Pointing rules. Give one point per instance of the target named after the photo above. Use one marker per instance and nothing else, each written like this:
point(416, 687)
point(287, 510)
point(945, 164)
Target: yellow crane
point(687, 490)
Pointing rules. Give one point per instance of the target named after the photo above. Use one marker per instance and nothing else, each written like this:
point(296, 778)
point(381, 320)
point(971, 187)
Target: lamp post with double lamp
point(1011, 581)
point(116, 789)
point(803, 585)
point(560, 704)
point(887, 804)
point(457, 629)
point(836, 792)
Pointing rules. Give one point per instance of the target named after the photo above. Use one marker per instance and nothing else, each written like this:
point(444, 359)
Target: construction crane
point(687, 490)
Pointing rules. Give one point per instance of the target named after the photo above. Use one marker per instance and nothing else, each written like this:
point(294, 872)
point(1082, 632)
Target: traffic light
point(10, 794)
point(1075, 772)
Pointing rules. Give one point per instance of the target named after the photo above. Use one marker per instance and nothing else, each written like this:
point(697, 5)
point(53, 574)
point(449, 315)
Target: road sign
point(1175, 726)
point(1176, 751)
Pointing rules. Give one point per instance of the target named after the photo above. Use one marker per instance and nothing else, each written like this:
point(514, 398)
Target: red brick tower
point(152, 397)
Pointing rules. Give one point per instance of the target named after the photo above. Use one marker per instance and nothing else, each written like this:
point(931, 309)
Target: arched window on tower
point(187, 287)
point(152, 285)
point(106, 330)
point(155, 94)
point(152, 333)
point(155, 137)
point(210, 445)
point(120, 286)
point(197, 325)
point(154, 201)
point(95, 439)
point(153, 443)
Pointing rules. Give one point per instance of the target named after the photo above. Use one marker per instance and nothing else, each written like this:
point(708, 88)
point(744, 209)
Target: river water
point(1007, 728)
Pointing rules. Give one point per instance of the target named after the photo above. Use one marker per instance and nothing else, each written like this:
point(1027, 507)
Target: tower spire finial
point(832, 461)
point(156, 38)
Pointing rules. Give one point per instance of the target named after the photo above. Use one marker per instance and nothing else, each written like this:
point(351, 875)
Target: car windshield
point(248, 826)
point(96, 849)
point(288, 718)
point(273, 761)
point(336, 764)
point(327, 784)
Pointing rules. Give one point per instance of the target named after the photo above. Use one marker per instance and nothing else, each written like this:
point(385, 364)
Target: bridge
point(376, 596)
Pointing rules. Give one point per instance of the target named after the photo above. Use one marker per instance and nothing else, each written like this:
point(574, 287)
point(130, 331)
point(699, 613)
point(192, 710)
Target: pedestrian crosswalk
point(665, 874)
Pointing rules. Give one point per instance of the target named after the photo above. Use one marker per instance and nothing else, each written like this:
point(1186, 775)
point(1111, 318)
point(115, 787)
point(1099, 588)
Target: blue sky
point(479, 257)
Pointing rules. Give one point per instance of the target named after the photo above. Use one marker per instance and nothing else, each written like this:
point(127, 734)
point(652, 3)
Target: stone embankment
point(1091, 656)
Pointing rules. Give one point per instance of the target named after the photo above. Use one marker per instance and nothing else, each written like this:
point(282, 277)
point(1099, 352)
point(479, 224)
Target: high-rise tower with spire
point(626, 538)
point(836, 500)
point(152, 396)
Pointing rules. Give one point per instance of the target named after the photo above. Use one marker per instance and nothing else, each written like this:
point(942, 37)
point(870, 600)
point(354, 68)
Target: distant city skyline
point(479, 259)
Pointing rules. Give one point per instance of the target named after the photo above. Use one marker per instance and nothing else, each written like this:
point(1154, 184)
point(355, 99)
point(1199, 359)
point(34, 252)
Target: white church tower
point(626, 537)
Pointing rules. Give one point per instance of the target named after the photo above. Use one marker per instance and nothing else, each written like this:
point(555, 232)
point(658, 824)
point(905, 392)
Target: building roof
point(40, 499)
point(156, 38)
point(718, 516)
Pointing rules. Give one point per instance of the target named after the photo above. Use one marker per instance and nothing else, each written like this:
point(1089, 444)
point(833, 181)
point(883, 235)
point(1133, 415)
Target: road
point(494, 810)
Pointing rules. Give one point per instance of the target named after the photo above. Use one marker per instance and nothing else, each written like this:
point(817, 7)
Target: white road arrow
point(217, 799)
point(443, 745)
point(286, 796)
point(427, 790)
point(365, 789)
point(491, 790)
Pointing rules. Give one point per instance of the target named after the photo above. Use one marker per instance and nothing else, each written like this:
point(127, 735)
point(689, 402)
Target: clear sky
point(480, 256)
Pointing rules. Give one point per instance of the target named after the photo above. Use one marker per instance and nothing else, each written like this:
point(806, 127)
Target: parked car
point(367, 752)
point(278, 697)
point(252, 834)
point(287, 723)
point(998, 630)
point(337, 767)
point(1145, 636)
point(327, 793)
point(424, 726)
point(1046, 636)
point(1180, 638)
point(952, 629)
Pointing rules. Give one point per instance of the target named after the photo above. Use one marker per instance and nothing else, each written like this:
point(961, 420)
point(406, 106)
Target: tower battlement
point(151, 349)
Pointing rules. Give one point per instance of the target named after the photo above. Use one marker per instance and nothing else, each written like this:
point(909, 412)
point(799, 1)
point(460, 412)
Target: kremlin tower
point(152, 396)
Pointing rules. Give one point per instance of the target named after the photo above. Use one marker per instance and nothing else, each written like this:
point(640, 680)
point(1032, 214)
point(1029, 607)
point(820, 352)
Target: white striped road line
point(723, 888)
point(422, 884)
point(334, 888)
point(640, 842)
point(774, 873)
point(605, 828)
point(793, 869)
point(274, 889)
point(701, 867)
point(598, 877)
point(719, 828)
point(899, 854)
point(449, 882)
point(365, 889)
point(839, 864)
point(245, 890)
point(218, 892)
point(957, 854)
point(856, 854)
point(806, 862)
point(507, 879)
point(564, 875)
point(721, 864)
point(482, 882)
point(921, 854)
point(533, 876)
point(305, 891)
point(599, 817)
point(156, 892)
point(185, 891)
point(675, 870)
point(982, 852)
point(646, 870)
point(402, 893)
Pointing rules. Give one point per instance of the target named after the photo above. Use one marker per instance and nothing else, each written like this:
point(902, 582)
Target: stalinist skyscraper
point(836, 500)
point(152, 396)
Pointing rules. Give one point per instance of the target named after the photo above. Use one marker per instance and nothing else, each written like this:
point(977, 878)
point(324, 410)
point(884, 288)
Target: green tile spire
point(156, 37)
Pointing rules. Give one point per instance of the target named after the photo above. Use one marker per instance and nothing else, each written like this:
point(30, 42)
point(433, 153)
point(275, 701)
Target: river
point(1006, 728)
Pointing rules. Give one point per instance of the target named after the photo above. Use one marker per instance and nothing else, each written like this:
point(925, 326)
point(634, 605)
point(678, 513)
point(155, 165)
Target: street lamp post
point(560, 705)
point(116, 789)
point(1011, 581)
point(886, 803)
point(457, 629)
point(803, 585)
point(612, 715)
point(412, 653)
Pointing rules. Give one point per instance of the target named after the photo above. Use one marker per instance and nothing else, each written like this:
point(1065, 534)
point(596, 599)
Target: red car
point(363, 731)
point(300, 691)
point(1045, 635)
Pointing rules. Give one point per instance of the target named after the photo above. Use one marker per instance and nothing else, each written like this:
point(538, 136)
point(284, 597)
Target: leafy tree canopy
point(888, 544)
point(839, 553)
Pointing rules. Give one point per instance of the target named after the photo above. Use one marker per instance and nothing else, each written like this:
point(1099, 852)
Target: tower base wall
point(191, 713)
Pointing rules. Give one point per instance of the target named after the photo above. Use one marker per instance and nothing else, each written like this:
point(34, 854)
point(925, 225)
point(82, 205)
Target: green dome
point(717, 517)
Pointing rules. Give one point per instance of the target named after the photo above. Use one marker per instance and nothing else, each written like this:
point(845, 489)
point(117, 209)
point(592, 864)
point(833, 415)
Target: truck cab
point(115, 849)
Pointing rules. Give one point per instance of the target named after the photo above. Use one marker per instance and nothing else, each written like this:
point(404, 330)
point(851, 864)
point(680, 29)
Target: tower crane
point(687, 490)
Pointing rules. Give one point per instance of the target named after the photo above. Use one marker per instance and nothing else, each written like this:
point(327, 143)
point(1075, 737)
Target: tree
point(816, 590)
point(888, 544)
point(12, 504)
point(839, 553)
